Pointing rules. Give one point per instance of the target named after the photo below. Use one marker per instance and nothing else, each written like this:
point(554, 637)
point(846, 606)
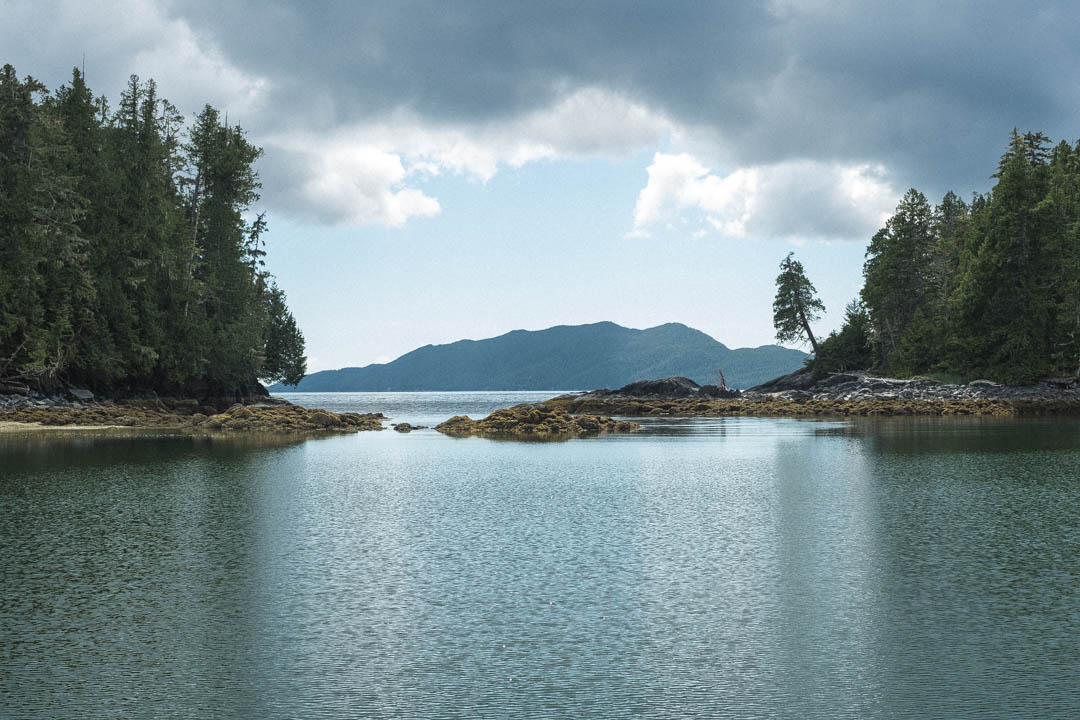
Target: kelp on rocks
point(535, 421)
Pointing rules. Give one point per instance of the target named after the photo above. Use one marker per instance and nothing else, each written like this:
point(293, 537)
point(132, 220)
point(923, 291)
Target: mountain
point(565, 357)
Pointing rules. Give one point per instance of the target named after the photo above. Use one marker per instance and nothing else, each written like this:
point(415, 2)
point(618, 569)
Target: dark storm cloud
point(929, 90)
point(470, 60)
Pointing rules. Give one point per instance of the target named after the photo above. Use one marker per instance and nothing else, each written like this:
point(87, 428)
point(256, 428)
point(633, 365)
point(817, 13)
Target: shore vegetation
point(985, 288)
point(130, 254)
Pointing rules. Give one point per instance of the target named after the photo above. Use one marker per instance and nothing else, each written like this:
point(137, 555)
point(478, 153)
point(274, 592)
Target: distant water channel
point(723, 568)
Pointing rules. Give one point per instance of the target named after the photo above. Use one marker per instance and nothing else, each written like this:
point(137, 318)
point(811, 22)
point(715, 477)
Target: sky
point(435, 171)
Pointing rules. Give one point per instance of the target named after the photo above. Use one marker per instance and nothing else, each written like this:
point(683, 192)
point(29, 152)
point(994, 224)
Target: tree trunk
point(809, 332)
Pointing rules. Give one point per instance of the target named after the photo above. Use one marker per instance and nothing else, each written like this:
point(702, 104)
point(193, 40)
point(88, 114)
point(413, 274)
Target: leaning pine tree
point(796, 304)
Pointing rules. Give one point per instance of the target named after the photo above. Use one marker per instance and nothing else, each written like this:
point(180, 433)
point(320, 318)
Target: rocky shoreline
point(534, 421)
point(147, 410)
point(839, 394)
point(275, 415)
point(797, 395)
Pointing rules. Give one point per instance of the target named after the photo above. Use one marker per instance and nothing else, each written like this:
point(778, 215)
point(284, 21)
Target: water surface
point(738, 567)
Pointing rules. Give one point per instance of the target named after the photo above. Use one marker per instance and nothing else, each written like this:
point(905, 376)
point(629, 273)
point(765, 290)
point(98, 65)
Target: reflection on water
point(94, 440)
point(736, 567)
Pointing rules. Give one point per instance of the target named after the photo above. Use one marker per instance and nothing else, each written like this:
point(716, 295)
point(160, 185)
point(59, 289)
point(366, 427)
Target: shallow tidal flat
point(189, 415)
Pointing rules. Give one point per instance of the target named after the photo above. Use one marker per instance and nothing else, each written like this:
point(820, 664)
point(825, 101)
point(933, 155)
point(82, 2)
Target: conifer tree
point(899, 273)
point(284, 346)
point(796, 304)
point(125, 258)
point(850, 348)
point(1004, 317)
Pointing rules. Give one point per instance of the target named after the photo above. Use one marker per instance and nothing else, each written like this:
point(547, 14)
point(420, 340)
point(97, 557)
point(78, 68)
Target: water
point(420, 408)
point(704, 568)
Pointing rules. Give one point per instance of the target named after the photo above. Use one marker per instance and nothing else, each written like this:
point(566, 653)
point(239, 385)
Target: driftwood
point(12, 388)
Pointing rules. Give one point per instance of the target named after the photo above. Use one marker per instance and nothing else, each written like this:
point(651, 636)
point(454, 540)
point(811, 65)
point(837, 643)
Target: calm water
point(723, 568)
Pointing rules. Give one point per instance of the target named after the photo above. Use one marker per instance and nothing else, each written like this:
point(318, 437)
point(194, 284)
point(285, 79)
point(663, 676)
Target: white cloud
point(187, 66)
point(368, 173)
point(372, 171)
point(121, 37)
point(357, 184)
point(793, 200)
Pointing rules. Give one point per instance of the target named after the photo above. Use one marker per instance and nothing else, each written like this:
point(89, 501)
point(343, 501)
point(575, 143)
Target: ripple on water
point(736, 567)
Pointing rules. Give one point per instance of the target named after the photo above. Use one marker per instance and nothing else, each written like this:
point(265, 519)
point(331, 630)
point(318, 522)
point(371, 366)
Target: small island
point(535, 421)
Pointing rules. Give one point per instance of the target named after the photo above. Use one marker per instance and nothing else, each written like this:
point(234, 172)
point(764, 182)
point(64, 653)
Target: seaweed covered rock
point(840, 394)
point(531, 421)
point(285, 418)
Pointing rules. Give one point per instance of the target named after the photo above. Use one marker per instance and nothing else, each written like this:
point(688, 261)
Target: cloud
point(369, 173)
point(189, 67)
point(928, 92)
point(793, 201)
point(125, 37)
point(359, 185)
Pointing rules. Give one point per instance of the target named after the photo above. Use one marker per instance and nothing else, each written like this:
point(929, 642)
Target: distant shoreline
point(798, 395)
point(542, 391)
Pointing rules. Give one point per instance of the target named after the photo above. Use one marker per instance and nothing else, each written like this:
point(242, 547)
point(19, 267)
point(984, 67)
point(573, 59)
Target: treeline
point(989, 288)
point(125, 256)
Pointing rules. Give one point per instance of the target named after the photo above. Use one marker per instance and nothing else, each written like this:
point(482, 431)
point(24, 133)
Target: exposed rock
point(324, 419)
point(457, 425)
point(801, 379)
point(241, 412)
point(666, 387)
point(529, 421)
point(152, 412)
point(81, 394)
point(406, 427)
point(842, 394)
point(672, 387)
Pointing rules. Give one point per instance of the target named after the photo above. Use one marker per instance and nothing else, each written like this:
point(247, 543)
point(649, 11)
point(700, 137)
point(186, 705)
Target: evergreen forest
point(130, 256)
point(988, 288)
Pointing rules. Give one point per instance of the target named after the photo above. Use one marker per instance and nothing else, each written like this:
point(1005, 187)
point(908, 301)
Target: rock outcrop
point(672, 387)
point(189, 414)
point(535, 421)
point(838, 394)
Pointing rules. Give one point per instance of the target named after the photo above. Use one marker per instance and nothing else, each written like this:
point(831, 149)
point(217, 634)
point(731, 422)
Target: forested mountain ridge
point(126, 260)
point(563, 357)
point(988, 288)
